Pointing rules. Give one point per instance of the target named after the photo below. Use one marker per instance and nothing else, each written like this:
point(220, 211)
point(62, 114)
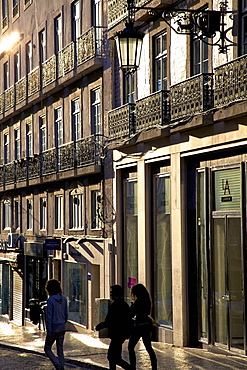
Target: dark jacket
point(56, 313)
point(118, 320)
point(140, 311)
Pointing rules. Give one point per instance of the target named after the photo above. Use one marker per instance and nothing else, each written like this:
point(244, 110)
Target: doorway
point(228, 288)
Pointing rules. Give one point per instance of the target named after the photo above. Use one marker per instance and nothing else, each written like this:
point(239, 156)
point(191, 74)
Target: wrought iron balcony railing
point(49, 73)
point(230, 82)
point(121, 121)
point(9, 173)
point(87, 150)
point(66, 59)
point(9, 98)
point(90, 44)
point(33, 81)
point(192, 96)
point(1, 103)
point(83, 152)
point(20, 90)
point(152, 110)
point(49, 162)
point(117, 10)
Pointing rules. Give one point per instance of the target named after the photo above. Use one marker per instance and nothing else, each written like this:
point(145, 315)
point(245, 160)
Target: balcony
point(66, 60)
point(33, 80)
point(49, 73)
point(152, 111)
point(230, 82)
point(20, 90)
point(90, 44)
point(9, 98)
point(121, 121)
point(117, 9)
point(70, 156)
point(192, 96)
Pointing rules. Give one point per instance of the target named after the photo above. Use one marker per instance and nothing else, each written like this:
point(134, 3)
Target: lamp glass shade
point(129, 46)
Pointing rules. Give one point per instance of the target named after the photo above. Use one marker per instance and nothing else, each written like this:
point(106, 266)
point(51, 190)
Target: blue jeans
point(58, 362)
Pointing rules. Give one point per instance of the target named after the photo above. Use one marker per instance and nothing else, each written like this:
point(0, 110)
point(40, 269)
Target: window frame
point(76, 218)
point(160, 57)
point(59, 220)
point(29, 213)
point(43, 213)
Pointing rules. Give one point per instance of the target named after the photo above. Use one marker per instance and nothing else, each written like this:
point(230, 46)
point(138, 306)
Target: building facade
point(178, 134)
point(55, 180)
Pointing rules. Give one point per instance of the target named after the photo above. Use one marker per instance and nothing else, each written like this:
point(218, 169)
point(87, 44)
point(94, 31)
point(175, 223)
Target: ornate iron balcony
point(34, 167)
point(85, 151)
point(20, 90)
point(89, 44)
point(9, 98)
point(1, 103)
point(21, 170)
point(117, 10)
point(230, 82)
point(121, 121)
point(9, 175)
point(192, 96)
point(66, 59)
point(1, 175)
point(66, 157)
point(49, 73)
point(49, 162)
point(152, 111)
point(33, 80)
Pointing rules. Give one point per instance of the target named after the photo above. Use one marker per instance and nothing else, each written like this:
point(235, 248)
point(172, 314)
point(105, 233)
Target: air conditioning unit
point(12, 240)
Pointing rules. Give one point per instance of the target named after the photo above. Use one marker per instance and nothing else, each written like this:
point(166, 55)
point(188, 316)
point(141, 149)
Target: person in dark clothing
point(56, 317)
point(118, 322)
point(140, 311)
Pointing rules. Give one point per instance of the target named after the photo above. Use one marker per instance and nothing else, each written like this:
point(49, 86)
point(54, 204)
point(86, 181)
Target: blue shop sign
point(53, 244)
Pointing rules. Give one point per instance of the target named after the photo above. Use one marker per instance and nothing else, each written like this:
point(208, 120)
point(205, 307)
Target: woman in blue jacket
point(56, 317)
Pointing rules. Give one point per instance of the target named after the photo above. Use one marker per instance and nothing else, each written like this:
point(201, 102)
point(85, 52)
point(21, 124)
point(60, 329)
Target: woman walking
point(142, 324)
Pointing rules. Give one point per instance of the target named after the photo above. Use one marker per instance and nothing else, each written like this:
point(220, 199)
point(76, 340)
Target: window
point(96, 209)
point(4, 14)
point(160, 62)
point(29, 140)
point(76, 210)
point(6, 75)
point(6, 148)
point(42, 46)
point(42, 134)
point(58, 34)
point(129, 88)
point(58, 127)
point(243, 35)
point(15, 8)
point(97, 22)
point(29, 214)
point(42, 213)
point(58, 212)
point(6, 214)
point(29, 56)
point(17, 74)
point(162, 251)
point(200, 56)
point(96, 112)
point(76, 120)
point(130, 234)
point(76, 20)
point(16, 214)
point(17, 148)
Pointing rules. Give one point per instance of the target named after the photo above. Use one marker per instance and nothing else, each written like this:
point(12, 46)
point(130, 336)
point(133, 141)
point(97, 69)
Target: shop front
point(221, 255)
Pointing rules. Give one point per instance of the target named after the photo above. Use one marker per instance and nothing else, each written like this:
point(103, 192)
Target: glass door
point(228, 281)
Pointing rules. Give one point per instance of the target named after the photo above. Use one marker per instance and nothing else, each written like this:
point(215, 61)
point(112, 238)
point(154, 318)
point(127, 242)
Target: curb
point(71, 361)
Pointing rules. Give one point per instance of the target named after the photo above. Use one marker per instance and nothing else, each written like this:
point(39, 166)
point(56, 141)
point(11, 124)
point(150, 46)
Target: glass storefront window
point(228, 189)
point(130, 246)
point(162, 252)
point(202, 256)
point(4, 289)
point(75, 289)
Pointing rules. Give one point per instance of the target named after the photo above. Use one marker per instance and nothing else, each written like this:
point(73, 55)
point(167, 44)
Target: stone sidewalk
point(88, 351)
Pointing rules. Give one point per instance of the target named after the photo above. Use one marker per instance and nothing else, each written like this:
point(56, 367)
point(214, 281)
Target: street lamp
point(129, 46)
